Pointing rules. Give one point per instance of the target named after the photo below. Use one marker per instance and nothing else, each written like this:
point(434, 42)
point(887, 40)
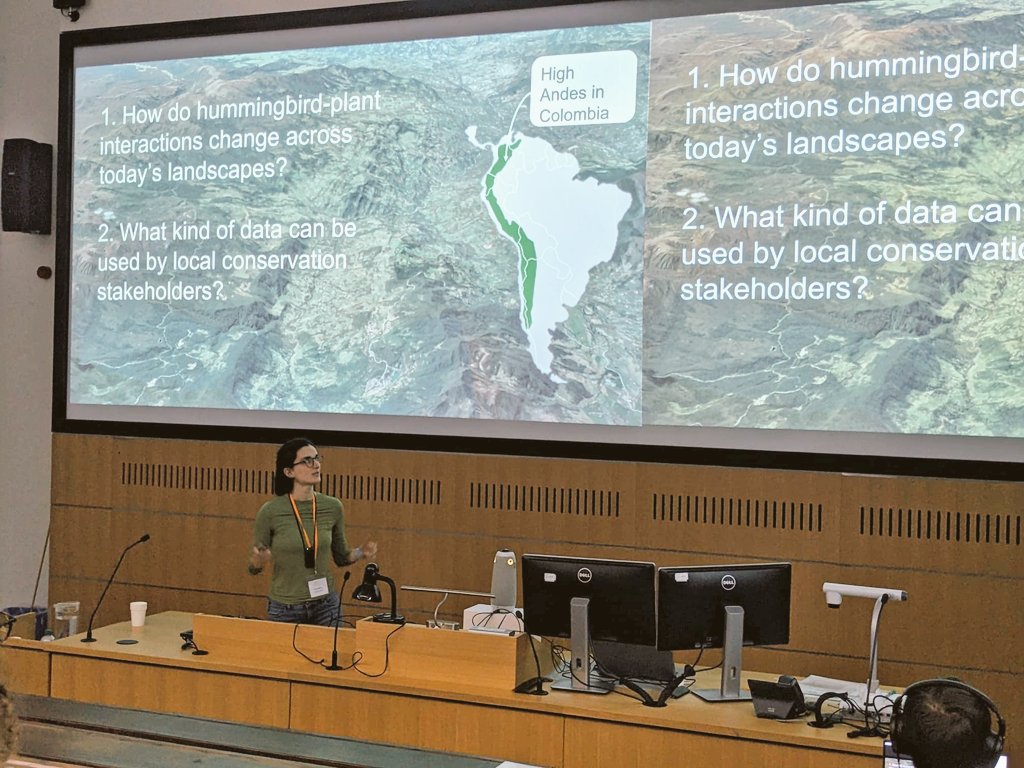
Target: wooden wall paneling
point(195, 477)
point(556, 502)
point(443, 559)
point(960, 527)
point(197, 500)
point(432, 559)
point(502, 734)
point(405, 506)
point(897, 533)
point(738, 513)
point(184, 549)
point(385, 494)
point(145, 562)
point(195, 601)
point(80, 469)
point(25, 669)
point(426, 549)
point(400, 500)
point(80, 540)
point(405, 485)
point(238, 698)
point(940, 620)
point(813, 628)
point(87, 541)
point(115, 605)
point(192, 552)
point(220, 550)
point(562, 507)
point(81, 555)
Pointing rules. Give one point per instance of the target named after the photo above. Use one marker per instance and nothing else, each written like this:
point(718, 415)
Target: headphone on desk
point(903, 740)
point(820, 719)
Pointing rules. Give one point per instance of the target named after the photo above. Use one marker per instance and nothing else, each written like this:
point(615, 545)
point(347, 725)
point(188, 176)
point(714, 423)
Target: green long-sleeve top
point(276, 529)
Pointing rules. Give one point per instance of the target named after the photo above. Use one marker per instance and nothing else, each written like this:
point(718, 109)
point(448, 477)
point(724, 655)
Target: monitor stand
point(580, 679)
point(732, 661)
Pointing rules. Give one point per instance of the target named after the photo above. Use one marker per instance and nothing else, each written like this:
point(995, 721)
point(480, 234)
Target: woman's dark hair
point(286, 458)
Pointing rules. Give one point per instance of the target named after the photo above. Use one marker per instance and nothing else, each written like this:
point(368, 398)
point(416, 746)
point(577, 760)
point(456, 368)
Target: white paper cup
point(138, 610)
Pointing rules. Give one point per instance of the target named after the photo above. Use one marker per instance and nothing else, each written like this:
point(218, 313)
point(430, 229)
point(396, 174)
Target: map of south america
point(561, 225)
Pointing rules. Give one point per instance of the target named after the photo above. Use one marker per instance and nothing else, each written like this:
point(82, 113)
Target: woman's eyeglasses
point(309, 461)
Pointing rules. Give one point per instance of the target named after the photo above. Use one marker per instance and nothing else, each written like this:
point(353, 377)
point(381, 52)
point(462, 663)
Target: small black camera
point(69, 8)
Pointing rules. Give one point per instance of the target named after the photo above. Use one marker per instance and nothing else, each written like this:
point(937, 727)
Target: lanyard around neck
point(302, 529)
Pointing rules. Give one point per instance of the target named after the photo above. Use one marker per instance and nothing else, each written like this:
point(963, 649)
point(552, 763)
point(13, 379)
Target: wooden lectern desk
point(412, 686)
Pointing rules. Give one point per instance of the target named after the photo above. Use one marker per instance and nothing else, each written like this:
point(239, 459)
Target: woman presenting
point(300, 531)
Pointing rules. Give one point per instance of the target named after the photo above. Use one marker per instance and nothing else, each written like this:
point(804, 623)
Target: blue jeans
point(320, 610)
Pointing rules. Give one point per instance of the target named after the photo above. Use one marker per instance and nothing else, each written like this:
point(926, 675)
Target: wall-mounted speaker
point(25, 186)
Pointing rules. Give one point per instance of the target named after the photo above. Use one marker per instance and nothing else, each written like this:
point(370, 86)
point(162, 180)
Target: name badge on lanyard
point(309, 548)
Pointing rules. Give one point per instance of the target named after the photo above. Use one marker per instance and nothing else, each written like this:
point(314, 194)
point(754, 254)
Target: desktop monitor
point(588, 599)
point(724, 606)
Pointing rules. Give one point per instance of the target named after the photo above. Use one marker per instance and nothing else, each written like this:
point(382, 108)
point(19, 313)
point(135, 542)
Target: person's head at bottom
point(8, 740)
point(946, 725)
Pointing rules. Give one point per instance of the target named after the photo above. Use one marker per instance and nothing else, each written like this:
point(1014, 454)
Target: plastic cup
point(65, 617)
point(138, 610)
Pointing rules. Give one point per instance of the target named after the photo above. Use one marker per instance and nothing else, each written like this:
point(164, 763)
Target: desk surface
point(263, 650)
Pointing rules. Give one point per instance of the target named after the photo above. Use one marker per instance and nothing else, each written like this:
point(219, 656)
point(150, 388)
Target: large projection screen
point(786, 236)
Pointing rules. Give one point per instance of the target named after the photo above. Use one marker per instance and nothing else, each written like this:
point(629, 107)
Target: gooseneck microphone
point(337, 621)
point(88, 635)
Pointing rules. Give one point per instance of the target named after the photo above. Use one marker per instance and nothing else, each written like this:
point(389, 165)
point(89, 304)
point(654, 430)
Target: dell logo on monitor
point(728, 582)
point(584, 575)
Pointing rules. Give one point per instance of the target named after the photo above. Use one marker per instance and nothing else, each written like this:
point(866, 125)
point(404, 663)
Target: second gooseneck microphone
point(88, 635)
